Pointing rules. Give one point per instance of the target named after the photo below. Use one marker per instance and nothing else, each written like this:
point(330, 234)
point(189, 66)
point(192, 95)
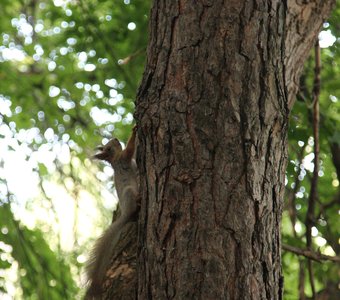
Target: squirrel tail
point(100, 257)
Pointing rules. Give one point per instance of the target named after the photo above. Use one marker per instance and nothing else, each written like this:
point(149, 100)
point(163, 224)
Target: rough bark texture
point(212, 115)
point(303, 22)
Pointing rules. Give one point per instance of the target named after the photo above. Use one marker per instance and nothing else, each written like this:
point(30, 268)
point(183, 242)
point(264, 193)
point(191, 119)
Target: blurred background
point(69, 72)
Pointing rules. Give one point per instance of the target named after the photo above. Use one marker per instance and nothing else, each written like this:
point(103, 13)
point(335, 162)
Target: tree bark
point(213, 117)
point(121, 277)
point(212, 113)
point(304, 19)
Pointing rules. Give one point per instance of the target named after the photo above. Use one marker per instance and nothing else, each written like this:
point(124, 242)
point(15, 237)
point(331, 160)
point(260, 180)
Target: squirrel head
point(110, 152)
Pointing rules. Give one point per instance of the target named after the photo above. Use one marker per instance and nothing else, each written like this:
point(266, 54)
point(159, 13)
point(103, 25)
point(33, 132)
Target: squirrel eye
point(107, 148)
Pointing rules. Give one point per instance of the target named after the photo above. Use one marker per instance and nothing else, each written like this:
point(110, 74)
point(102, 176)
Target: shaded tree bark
point(121, 277)
point(212, 114)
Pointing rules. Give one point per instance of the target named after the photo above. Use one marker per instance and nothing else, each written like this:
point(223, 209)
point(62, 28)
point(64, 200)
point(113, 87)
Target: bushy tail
point(100, 257)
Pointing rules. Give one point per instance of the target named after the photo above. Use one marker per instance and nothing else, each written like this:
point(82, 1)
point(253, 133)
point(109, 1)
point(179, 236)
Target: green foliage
point(69, 71)
point(43, 274)
point(72, 58)
point(300, 171)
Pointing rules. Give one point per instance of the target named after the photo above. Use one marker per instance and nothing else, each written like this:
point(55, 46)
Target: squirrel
point(125, 180)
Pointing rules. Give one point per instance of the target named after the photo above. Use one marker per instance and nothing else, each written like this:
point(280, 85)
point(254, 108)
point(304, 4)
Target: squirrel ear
point(101, 155)
point(117, 143)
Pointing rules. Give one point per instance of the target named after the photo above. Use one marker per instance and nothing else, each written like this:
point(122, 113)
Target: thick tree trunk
point(212, 115)
point(213, 118)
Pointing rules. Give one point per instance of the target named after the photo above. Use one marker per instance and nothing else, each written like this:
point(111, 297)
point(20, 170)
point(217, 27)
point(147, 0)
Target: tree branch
point(292, 193)
point(304, 24)
point(310, 218)
point(316, 256)
point(314, 184)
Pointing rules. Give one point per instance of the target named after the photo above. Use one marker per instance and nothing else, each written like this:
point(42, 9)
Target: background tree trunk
point(212, 114)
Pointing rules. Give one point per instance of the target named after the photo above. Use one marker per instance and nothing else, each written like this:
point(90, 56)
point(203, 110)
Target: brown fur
point(125, 179)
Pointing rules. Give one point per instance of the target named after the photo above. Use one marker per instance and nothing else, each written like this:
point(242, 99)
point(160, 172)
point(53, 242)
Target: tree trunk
point(212, 114)
point(213, 121)
point(121, 277)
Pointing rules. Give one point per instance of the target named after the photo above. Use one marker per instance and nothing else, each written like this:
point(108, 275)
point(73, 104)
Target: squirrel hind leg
point(94, 292)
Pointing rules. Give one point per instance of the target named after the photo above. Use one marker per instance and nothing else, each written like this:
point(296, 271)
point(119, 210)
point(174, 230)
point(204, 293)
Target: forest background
point(69, 71)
